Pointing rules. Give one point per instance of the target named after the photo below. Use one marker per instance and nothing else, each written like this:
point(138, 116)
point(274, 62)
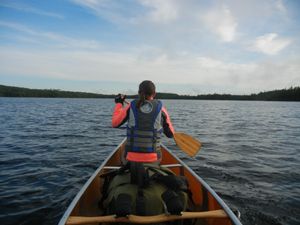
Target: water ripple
point(50, 147)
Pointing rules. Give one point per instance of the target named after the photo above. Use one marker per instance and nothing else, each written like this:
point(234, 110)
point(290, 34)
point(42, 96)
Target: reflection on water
point(49, 148)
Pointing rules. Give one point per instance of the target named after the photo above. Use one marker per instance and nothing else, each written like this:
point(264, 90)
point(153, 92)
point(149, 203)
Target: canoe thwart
point(76, 220)
point(164, 166)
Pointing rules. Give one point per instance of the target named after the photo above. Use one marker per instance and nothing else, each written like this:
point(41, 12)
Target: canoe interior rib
point(88, 203)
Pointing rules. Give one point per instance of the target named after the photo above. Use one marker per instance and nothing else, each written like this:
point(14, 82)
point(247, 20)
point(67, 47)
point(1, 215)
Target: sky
point(183, 46)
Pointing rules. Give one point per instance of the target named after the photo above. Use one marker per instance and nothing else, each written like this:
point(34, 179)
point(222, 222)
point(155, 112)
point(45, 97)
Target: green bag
point(152, 193)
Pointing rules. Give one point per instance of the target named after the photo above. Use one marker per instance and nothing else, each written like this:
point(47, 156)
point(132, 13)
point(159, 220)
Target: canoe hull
point(86, 201)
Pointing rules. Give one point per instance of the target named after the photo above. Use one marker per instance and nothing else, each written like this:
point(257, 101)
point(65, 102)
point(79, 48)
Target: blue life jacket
point(144, 129)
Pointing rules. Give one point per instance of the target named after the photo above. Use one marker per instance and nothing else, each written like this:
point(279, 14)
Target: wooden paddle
point(76, 220)
point(185, 142)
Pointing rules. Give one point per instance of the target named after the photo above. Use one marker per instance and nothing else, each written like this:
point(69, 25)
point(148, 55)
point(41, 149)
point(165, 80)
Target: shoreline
point(291, 94)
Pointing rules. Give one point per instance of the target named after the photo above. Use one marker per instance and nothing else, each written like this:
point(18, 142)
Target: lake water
point(50, 147)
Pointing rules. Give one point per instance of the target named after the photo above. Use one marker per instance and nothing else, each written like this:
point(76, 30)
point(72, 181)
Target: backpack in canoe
point(145, 190)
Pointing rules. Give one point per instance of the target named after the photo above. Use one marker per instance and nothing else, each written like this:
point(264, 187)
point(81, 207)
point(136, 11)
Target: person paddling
point(146, 120)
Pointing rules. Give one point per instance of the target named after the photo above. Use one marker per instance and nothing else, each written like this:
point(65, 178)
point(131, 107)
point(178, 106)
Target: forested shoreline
point(290, 94)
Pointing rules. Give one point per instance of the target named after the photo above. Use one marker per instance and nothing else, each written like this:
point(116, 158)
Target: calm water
point(49, 148)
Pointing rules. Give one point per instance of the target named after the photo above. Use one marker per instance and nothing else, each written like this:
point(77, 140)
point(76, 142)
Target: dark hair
point(146, 89)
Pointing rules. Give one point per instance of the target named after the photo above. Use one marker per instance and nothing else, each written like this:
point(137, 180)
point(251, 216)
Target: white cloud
point(93, 4)
point(155, 11)
point(281, 6)
point(128, 67)
point(222, 22)
point(161, 11)
point(167, 43)
point(114, 11)
point(270, 44)
point(30, 9)
point(61, 41)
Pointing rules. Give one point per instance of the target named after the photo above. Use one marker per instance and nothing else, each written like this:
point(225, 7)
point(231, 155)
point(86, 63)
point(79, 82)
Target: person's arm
point(120, 115)
point(167, 124)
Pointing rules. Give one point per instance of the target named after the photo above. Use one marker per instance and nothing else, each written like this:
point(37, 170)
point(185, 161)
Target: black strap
point(139, 175)
point(154, 140)
point(140, 203)
point(174, 202)
point(123, 205)
point(131, 138)
point(173, 182)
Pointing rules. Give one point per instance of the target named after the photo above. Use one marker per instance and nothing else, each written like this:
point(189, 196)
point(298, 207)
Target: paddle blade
point(188, 144)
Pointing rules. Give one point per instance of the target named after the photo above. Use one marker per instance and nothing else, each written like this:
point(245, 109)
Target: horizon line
point(49, 89)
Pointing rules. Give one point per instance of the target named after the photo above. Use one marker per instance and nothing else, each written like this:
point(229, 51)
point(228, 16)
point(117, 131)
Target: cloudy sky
point(184, 46)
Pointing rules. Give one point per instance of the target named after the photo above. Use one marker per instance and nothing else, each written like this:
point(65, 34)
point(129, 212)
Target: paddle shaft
point(77, 220)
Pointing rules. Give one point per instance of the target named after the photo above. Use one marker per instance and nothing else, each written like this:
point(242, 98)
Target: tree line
point(290, 94)
point(9, 91)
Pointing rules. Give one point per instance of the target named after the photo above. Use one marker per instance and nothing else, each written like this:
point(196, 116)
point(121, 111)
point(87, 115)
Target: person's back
point(144, 131)
point(147, 120)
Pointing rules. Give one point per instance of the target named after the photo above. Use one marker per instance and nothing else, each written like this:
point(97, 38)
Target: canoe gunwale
point(70, 208)
point(228, 211)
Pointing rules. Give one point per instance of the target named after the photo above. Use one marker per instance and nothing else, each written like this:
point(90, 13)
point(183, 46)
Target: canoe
point(210, 208)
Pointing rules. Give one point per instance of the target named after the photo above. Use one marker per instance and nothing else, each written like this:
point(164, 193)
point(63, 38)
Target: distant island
point(291, 94)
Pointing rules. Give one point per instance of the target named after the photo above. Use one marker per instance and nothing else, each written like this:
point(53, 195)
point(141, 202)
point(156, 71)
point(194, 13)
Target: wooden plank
point(77, 220)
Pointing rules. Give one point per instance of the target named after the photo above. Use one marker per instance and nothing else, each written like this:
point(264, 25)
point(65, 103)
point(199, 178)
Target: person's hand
point(120, 99)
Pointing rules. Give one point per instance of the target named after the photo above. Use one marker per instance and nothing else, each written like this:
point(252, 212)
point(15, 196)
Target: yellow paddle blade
point(188, 144)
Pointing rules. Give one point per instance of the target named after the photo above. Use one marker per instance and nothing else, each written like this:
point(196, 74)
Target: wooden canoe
point(211, 209)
